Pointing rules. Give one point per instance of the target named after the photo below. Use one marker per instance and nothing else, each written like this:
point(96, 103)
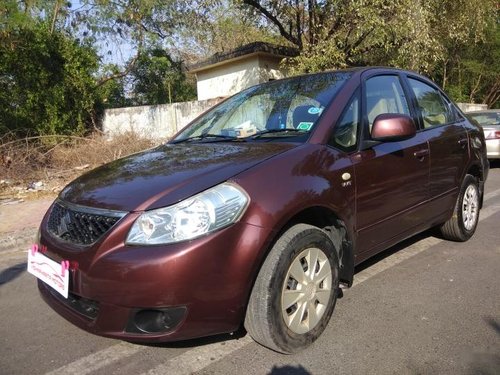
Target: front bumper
point(208, 280)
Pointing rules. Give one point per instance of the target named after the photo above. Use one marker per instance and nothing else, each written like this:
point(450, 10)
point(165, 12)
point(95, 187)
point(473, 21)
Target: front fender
point(309, 176)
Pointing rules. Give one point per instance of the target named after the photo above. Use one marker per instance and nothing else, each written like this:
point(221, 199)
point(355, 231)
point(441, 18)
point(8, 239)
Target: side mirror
point(393, 127)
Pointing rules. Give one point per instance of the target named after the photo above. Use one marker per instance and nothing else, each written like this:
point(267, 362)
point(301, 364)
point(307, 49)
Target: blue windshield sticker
point(314, 111)
point(306, 126)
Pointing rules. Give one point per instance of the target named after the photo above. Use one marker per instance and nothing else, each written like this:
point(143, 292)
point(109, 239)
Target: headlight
point(203, 213)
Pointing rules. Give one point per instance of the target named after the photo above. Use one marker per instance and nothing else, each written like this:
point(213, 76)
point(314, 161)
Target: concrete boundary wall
point(467, 107)
point(160, 122)
point(154, 121)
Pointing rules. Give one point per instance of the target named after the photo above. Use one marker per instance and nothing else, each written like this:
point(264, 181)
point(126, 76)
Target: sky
point(112, 50)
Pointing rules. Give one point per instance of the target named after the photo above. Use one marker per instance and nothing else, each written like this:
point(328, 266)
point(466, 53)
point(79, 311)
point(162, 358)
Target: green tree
point(468, 33)
point(337, 33)
point(475, 74)
point(225, 27)
point(47, 83)
point(341, 33)
point(51, 79)
point(158, 79)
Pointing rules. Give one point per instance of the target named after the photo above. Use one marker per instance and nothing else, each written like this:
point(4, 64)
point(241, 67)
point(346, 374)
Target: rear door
point(392, 178)
point(448, 143)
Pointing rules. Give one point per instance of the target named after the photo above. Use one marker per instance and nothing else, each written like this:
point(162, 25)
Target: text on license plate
point(51, 273)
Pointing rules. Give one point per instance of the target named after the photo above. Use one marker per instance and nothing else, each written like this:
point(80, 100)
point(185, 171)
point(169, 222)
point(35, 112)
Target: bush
point(47, 83)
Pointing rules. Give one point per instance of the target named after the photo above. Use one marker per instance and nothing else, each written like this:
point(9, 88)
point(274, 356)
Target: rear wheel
point(295, 292)
point(462, 225)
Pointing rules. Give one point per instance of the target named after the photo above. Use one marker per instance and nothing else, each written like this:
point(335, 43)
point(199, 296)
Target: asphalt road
point(425, 307)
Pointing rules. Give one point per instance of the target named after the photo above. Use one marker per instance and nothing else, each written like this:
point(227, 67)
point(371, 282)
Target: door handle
point(421, 153)
point(463, 142)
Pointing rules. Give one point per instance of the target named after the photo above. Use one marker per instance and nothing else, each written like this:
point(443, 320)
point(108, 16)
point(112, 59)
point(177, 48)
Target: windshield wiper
point(270, 131)
point(216, 137)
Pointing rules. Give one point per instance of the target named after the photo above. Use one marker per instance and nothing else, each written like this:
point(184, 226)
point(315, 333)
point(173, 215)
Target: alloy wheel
point(470, 207)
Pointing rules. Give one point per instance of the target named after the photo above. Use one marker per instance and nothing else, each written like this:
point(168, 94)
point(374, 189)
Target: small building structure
point(225, 74)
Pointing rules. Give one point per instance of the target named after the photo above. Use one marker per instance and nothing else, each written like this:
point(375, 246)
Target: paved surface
point(24, 215)
point(19, 222)
point(426, 306)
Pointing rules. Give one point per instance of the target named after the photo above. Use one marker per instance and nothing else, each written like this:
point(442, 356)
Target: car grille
point(80, 225)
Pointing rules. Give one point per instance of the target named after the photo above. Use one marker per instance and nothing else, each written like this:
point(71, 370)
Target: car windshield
point(281, 109)
point(486, 118)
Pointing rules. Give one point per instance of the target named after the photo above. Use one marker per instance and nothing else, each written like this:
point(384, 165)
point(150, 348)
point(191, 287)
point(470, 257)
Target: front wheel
point(295, 292)
point(462, 225)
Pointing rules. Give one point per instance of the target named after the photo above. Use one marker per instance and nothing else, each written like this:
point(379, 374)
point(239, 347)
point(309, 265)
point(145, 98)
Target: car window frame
point(448, 103)
point(365, 140)
point(299, 138)
point(355, 147)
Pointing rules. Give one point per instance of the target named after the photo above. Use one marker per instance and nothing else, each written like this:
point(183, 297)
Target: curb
point(20, 238)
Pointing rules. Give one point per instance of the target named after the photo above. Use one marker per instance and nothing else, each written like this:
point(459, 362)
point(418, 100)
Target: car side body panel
point(392, 184)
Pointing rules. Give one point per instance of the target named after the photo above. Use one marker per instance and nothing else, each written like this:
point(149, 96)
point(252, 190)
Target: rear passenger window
point(384, 94)
point(434, 108)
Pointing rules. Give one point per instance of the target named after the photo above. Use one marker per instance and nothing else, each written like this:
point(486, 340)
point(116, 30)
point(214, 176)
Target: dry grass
point(56, 160)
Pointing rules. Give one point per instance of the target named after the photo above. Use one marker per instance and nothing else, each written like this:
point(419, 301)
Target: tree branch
point(493, 94)
point(121, 74)
point(338, 20)
point(311, 21)
point(475, 88)
point(57, 7)
point(156, 30)
point(298, 23)
point(274, 20)
point(362, 38)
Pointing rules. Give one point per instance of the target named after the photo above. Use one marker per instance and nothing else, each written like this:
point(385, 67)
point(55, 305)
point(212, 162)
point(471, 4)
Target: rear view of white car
point(490, 122)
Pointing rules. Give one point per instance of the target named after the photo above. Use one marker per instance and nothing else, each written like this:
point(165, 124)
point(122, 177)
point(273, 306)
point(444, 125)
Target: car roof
point(358, 70)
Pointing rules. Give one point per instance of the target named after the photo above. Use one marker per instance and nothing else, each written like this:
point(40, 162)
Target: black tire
point(265, 318)
point(462, 225)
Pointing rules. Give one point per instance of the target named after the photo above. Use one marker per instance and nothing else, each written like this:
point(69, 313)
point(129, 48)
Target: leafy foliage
point(470, 38)
point(453, 41)
point(53, 78)
point(47, 83)
point(223, 27)
point(157, 79)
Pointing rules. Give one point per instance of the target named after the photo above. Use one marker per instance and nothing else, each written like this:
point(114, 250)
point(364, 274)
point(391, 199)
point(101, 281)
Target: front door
point(392, 178)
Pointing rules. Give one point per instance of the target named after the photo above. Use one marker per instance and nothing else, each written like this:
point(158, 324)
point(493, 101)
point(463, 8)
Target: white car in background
point(490, 122)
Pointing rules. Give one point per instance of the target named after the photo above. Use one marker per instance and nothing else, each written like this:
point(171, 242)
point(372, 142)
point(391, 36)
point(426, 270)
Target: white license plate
point(50, 272)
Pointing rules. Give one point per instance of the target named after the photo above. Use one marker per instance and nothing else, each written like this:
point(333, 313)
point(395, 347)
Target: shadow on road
point(486, 363)
point(289, 370)
point(224, 338)
point(392, 250)
point(12, 273)
point(493, 323)
point(494, 164)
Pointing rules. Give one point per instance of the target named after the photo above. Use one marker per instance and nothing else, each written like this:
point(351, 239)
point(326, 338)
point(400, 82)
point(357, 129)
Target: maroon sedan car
point(258, 211)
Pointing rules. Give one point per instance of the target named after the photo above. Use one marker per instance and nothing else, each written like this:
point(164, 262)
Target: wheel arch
point(327, 220)
point(476, 171)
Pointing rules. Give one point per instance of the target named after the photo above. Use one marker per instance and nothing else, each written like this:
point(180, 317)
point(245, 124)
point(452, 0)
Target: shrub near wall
point(47, 83)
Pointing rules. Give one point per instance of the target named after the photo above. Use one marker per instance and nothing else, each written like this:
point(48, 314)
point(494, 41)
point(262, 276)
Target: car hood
point(165, 175)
